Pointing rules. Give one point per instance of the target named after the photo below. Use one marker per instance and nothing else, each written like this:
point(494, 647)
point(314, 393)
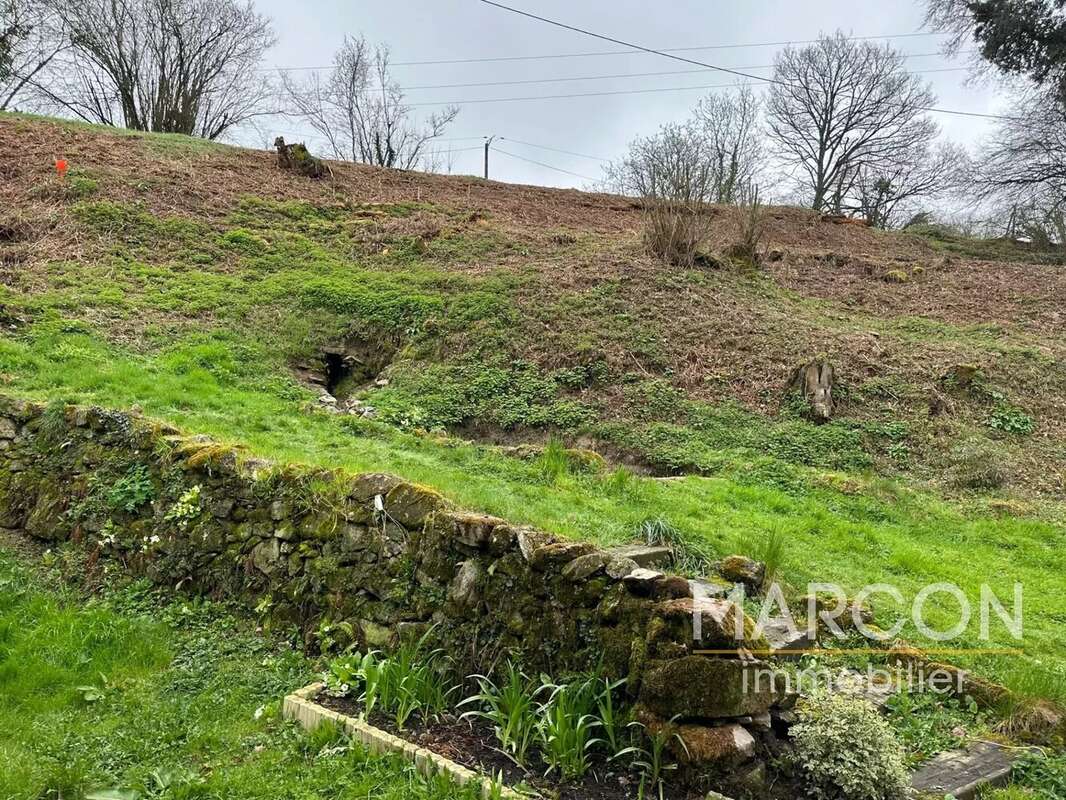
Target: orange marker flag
point(61, 167)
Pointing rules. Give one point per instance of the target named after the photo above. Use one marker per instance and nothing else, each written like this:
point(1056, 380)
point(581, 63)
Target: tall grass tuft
point(771, 552)
point(689, 557)
point(553, 464)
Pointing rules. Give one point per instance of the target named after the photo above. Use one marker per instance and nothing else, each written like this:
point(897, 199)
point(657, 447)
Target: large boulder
point(698, 687)
point(704, 623)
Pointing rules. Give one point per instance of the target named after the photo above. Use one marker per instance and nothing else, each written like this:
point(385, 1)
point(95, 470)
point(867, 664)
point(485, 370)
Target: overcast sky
point(735, 33)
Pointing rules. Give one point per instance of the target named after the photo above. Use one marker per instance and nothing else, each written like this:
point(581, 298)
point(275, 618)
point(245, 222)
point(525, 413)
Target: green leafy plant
point(846, 751)
point(1010, 419)
point(186, 508)
point(511, 708)
point(412, 680)
point(92, 693)
point(651, 761)
point(553, 464)
point(929, 723)
point(567, 724)
point(616, 725)
point(132, 490)
point(771, 552)
point(1044, 773)
point(331, 636)
point(688, 557)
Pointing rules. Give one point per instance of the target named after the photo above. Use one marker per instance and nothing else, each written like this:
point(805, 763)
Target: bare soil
point(473, 744)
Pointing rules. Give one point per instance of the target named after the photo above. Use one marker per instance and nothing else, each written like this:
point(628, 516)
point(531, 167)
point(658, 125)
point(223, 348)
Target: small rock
point(645, 555)
point(558, 553)
point(473, 530)
point(410, 504)
point(791, 641)
point(672, 587)
point(584, 566)
point(618, 568)
point(266, 556)
point(726, 745)
point(761, 720)
point(741, 569)
point(642, 581)
point(705, 588)
point(8, 429)
point(463, 593)
point(530, 540)
point(375, 635)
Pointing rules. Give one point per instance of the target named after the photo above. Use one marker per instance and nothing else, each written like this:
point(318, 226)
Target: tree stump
point(298, 158)
point(814, 381)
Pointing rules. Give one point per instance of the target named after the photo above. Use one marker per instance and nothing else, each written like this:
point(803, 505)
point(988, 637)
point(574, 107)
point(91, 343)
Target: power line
point(617, 75)
point(667, 54)
point(636, 50)
point(656, 90)
point(542, 164)
point(592, 77)
point(553, 149)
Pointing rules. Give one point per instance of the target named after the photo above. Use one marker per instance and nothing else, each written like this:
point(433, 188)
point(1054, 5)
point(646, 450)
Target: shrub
point(750, 229)
point(674, 231)
point(976, 464)
point(568, 721)
point(847, 751)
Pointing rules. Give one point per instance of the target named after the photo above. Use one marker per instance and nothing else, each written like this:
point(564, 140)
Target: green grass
point(198, 319)
point(825, 526)
point(177, 700)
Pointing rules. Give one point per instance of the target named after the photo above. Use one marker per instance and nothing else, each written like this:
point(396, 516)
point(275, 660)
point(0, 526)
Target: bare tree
point(707, 159)
point(359, 110)
point(1023, 163)
point(732, 139)
point(839, 107)
point(678, 171)
point(885, 191)
point(170, 66)
point(30, 38)
point(676, 180)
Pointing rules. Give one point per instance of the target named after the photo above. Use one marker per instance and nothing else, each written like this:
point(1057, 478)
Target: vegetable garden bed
point(467, 750)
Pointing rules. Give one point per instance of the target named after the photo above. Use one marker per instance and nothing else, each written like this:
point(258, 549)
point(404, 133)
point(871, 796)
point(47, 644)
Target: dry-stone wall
point(370, 557)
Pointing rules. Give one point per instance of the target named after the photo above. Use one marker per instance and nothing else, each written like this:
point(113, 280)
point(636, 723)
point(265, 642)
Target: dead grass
point(587, 288)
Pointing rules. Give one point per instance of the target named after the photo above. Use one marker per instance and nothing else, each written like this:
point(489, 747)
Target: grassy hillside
point(208, 287)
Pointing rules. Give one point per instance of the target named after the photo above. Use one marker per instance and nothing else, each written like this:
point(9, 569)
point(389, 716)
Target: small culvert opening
point(343, 371)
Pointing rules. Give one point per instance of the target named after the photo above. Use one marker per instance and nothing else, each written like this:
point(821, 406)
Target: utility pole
point(488, 141)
